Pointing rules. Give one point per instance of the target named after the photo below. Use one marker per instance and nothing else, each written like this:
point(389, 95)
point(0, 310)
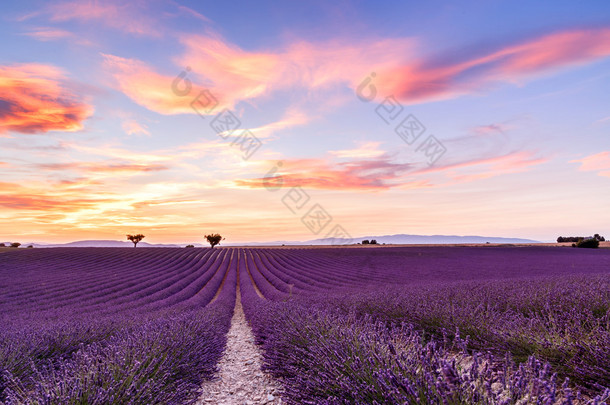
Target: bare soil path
point(240, 379)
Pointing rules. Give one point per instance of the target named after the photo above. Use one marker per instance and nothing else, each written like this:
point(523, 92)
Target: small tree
point(15, 244)
point(365, 242)
point(190, 246)
point(373, 241)
point(2, 245)
point(214, 239)
point(30, 247)
point(135, 238)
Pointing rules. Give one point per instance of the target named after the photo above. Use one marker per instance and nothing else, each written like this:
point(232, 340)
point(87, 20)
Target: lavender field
point(340, 325)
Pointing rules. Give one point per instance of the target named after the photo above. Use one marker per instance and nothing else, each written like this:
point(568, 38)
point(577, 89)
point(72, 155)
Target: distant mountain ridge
point(398, 239)
point(102, 243)
point(407, 239)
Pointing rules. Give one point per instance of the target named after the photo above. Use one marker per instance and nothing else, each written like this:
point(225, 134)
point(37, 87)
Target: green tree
point(214, 239)
point(135, 238)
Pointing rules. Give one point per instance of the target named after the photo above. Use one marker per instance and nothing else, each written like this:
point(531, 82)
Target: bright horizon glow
point(99, 137)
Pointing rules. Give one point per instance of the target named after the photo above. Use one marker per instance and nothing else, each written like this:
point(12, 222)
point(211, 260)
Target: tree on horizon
point(214, 239)
point(136, 238)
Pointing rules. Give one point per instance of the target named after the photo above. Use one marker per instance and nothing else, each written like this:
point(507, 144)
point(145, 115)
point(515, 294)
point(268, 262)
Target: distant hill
point(387, 239)
point(102, 243)
point(425, 239)
point(398, 240)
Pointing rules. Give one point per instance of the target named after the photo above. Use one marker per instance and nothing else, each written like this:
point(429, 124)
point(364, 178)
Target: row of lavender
point(432, 325)
point(102, 326)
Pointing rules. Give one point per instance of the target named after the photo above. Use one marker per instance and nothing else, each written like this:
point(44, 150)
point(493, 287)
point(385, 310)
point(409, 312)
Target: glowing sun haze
point(286, 121)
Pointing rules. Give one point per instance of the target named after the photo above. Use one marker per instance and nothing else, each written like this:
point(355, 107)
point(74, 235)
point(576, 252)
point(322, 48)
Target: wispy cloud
point(427, 80)
point(292, 118)
point(488, 167)
point(126, 17)
point(141, 18)
point(364, 150)
point(599, 162)
point(369, 174)
point(34, 98)
point(15, 196)
point(133, 127)
point(148, 88)
point(375, 172)
point(49, 34)
point(605, 119)
point(232, 74)
point(103, 167)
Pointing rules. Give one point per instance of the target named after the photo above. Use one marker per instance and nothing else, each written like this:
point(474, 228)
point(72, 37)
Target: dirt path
point(240, 379)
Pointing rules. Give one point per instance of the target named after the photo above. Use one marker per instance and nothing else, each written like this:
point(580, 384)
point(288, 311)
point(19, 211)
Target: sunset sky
point(293, 120)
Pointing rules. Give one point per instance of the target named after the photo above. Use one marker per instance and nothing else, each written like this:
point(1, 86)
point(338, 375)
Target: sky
point(269, 121)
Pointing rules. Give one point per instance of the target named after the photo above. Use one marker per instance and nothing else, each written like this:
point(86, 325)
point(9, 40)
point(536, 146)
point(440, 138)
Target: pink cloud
point(511, 162)
point(232, 74)
point(49, 34)
point(373, 174)
point(306, 64)
point(123, 16)
point(35, 99)
point(600, 162)
point(381, 173)
point(133, 127)
point(423, 80)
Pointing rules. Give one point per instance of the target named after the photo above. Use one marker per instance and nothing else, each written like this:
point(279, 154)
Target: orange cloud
point(15, 196)
point(428, 81)
point(33, 99)
point(148, 88)
point(599, 162)
point(103, 167)
point(232, 74)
